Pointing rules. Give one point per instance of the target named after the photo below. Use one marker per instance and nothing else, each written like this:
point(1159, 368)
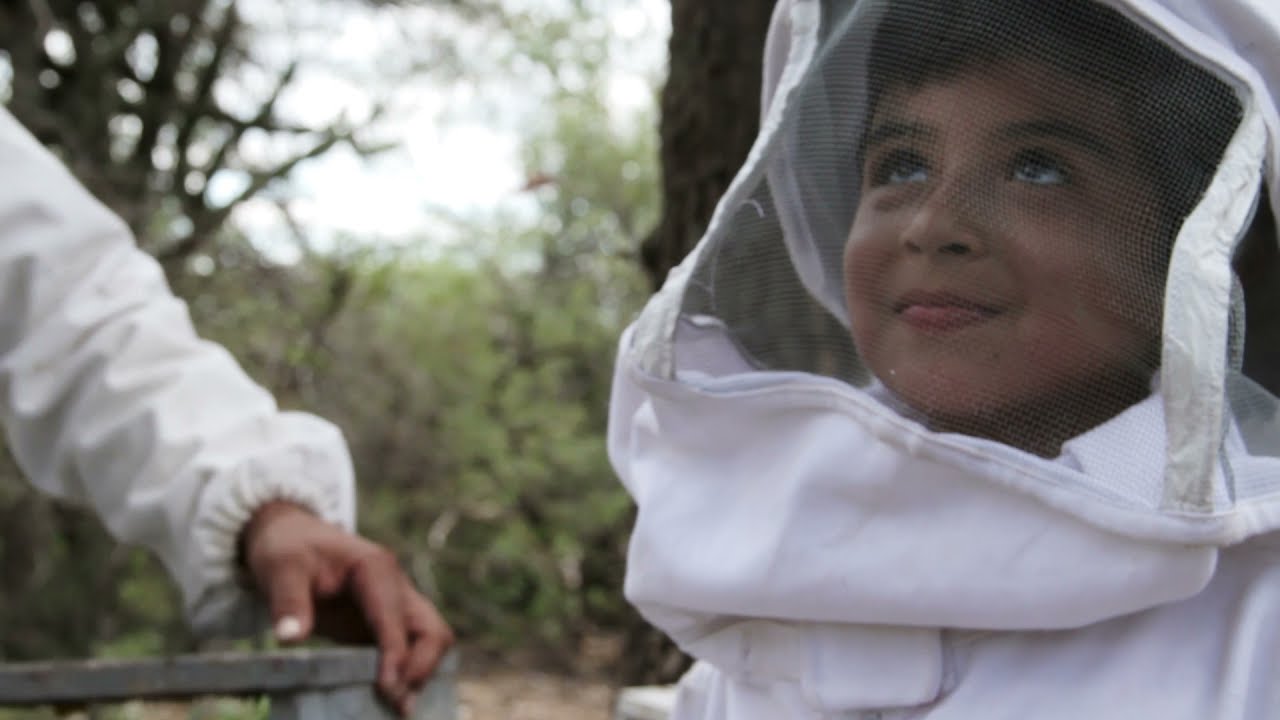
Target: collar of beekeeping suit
point(822, 419)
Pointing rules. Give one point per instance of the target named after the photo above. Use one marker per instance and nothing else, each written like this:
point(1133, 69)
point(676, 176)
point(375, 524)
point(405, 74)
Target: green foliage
point(493, 465)
point(472, 385)
point(474, 398)
point(209, 709)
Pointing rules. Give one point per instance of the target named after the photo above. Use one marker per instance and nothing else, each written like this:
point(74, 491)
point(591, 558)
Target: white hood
point(805, 526)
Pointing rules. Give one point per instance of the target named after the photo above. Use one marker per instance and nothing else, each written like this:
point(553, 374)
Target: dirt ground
point(513, 687)
point(524, 695)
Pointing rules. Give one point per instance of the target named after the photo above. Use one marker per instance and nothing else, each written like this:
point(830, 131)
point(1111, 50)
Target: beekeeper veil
point(1029, 239)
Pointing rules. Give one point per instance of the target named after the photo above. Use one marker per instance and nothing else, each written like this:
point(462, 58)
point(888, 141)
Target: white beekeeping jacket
point(964, 406)
point(108, 397)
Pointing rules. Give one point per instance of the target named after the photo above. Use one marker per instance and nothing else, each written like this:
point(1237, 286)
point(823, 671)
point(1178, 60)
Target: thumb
point(289, 596)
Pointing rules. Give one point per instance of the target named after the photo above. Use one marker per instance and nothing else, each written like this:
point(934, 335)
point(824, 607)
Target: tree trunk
point(710, 117)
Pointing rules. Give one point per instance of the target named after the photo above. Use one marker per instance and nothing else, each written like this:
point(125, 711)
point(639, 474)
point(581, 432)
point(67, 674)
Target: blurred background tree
point(470, 376)
point(146, 102)
point(709, 117)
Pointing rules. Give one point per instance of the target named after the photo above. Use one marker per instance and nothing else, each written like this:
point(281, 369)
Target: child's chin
point(940, 391)
point(950, 404)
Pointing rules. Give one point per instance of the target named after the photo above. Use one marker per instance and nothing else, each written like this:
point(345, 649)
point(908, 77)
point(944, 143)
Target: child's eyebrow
point(883, 132)
point(1067, 131)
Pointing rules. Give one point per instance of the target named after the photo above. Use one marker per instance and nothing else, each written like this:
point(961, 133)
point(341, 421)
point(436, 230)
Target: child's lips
point(935, 312)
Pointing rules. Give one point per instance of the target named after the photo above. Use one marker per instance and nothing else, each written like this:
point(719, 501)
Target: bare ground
point(528, 695)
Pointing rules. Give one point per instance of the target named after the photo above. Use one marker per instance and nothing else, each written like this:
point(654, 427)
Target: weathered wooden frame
point(307, 684)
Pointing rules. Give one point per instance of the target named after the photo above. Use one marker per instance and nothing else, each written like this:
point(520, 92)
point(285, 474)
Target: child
point(1054, 176)
point(1035, 483)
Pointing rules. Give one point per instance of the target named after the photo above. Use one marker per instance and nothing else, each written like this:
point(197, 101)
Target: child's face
point(1000, 274)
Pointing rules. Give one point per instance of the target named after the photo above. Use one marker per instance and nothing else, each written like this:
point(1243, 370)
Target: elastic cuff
point(319, 481)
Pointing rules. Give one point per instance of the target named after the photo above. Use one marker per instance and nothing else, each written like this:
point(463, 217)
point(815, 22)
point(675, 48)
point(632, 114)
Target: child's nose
point(945, 223)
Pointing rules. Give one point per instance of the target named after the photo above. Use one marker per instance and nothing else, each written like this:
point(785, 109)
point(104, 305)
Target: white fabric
point(824, 596)
point(814, 549)
point(109, 398)
point(1196, 320)
point(1214, 655)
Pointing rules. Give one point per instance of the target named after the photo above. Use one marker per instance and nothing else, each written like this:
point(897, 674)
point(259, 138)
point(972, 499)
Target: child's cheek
point(867, 261)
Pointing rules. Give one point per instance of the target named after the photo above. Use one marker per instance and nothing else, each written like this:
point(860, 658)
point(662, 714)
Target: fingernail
point(288, 628)
point(406, 708)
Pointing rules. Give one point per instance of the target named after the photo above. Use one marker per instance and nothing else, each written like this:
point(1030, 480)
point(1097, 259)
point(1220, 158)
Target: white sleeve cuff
point(314, 472)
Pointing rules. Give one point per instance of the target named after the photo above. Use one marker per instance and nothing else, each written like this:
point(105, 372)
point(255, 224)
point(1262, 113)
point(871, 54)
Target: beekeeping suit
point(108, 397)
point(964, 405)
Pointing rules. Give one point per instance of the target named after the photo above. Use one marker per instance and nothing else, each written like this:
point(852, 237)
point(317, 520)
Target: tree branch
point(205, 225)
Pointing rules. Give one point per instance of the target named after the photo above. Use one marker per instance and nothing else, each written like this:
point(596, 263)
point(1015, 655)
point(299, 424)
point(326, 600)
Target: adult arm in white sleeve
point(109, 398)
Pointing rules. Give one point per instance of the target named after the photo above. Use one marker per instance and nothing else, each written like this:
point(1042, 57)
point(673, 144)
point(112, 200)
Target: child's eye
point(1039, 168)
point(898, 168)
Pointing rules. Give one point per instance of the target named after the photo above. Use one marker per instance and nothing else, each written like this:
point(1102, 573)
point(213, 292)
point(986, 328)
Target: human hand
point(317, 576)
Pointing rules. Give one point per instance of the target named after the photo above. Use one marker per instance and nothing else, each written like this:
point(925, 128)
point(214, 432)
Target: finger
point(430, 639)
point(376, 583)
point(288, 588)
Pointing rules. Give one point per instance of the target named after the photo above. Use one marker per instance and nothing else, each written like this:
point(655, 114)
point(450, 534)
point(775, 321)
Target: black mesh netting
point(969, 211)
